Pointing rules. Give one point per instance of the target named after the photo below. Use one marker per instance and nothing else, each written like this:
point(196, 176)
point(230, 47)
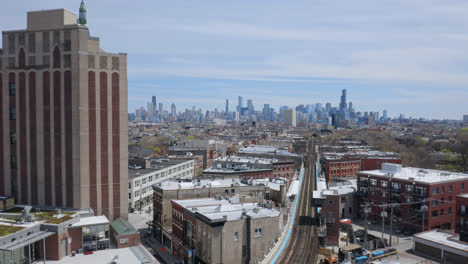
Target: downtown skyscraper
point(64, 132)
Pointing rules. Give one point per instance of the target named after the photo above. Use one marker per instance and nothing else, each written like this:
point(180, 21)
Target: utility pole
point(391, 223)
point(383, 214)
point(366, 211)
point(424, 209)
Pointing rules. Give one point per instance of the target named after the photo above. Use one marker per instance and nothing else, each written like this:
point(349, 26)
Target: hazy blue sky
point(405, 56)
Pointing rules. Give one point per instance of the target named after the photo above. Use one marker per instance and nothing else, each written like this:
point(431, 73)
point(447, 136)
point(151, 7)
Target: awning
point(20, 243)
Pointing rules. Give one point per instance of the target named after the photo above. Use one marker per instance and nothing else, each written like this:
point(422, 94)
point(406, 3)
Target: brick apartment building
point(347, 167)
point(281, 169)
point(412, 188)
point(223, 231)
point(64, 124)
point(462, 216)
point(201, 188)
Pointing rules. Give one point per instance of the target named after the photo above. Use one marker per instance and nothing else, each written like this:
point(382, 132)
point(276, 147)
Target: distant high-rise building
point(290, 116)
point(250, 106)
point(240, 105)
point(328, 107)
point(66, 116)
point(266, 112)
point(227, 109)
point(173, 110)
point(343, 101)
point(465, 119)
point(385, 115)
point(160, 108)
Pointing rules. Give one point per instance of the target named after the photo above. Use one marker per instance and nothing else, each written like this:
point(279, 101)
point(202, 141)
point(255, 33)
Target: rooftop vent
point(391, 168)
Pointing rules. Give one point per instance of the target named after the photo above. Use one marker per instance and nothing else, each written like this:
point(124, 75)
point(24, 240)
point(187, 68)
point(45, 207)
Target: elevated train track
point(303, 245)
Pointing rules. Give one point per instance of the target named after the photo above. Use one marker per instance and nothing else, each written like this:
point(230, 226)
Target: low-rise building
point(441, 246)
point(243, 173)
point(216, 230)
point(335, 203)
point(462, 217)
point(140, 180)
point(283, 169)
point(166, 191)
point(29, 235)
point(410, 189)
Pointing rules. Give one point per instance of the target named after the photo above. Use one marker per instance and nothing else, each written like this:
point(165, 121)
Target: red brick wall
point(406, 212)
point(255, 175)
point(133, 240)
point(376, 163)
point(332, 211)
point(76, 234)
point(341, 168)
point(458, 217)
point(53, 245)
point(284, 170)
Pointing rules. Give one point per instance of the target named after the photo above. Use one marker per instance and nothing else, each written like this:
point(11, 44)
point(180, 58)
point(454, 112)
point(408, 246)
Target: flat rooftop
point(197, 184)
point(216, 209)
point(443, 238)
point(396, 171)
point(133, 173)
point(251, 160)
point(232, 170)
point(268, 150)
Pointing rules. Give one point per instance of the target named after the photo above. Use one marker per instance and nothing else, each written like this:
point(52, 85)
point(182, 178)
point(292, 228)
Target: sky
point(408, 57)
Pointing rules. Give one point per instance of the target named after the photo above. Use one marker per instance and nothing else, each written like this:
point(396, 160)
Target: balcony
point(420, 194)
point(396, 190)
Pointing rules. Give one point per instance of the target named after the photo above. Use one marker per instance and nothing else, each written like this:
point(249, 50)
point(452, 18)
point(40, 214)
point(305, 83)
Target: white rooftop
point(216, 209)
point(293, 188)
point(271, 150)
point(444, 238)
point(92, 220)
point(195, 184)
point(251, 160)
point(416, 174)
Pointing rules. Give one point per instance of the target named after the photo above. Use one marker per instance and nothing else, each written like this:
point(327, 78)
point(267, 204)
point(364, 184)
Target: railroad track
point(303, 246)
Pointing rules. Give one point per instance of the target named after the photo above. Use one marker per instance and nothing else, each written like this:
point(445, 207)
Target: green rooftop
point(123, 227)
point(7, 229)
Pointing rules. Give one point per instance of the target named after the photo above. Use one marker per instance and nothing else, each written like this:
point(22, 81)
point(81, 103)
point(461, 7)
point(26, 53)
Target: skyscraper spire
point(82, 17)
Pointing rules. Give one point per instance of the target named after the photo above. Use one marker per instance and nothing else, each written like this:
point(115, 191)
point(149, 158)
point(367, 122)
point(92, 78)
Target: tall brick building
point(63, 116)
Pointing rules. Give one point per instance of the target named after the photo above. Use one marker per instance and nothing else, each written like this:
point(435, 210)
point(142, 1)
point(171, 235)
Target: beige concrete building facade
point(64, 132)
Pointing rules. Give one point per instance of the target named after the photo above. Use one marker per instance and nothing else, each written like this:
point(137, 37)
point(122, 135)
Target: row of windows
point(435, 190)
point(32, 48)
point(435, 213)
point(152, 178)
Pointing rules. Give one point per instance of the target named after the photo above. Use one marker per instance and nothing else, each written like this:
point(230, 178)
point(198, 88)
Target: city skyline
point(389, 63)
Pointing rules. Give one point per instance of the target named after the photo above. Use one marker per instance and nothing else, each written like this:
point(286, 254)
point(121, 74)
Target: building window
point(330, 201)
point(258, 232)
point(129, 195)
point(435, 191)
point(373, 182)
point(441, 212)
point(450, 188)
point(463, 186)
point(343, 199)
point(435, 202)
point(12, 137)
point(435, 213)
point(383, 183)
point(13, 162)
point(442, 190)
point(450, 198)
point(236, 236)
point(13, 113)
point(12, 89)
point(442, 201)
point(233, 191)
point(384, 194)
point(372, 192)
point(409, 188)
point(123, 240)
point(449, 210)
